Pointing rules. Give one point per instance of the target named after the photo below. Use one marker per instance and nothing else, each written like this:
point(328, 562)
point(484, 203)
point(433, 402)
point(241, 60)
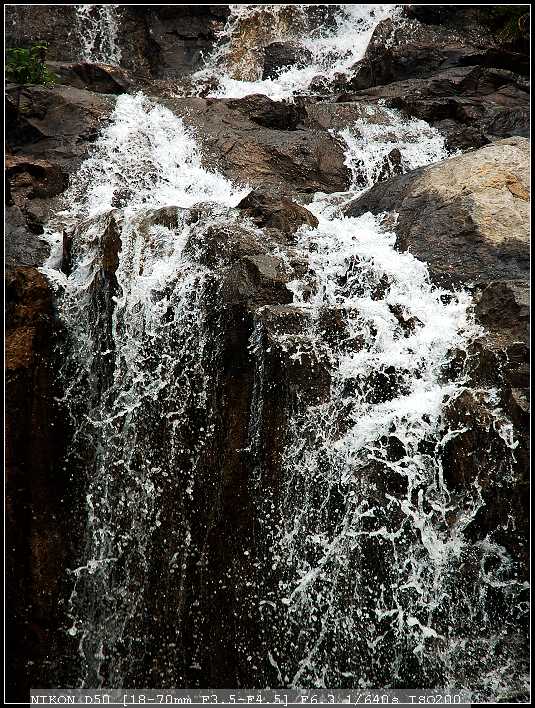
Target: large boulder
point(467, 216)
point(92, 76)
point(54, 124)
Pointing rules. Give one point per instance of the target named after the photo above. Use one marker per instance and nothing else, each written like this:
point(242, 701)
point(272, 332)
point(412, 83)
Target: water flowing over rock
point(267, 283)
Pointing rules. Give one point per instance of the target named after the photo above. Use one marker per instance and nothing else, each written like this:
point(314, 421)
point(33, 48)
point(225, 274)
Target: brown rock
point(283, 215)
point(283, 161)
point(54, 124)
point(91, 76)
point(38, 543)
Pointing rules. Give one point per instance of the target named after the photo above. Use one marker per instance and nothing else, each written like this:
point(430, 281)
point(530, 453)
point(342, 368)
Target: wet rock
point(90, 76)
point(482, 441)
point(258, 280)
point(270, 114)
point(254, 30)
point(32, 183)
point(336, 116)
point(392, 165)
point(284, 161)
point(155, 41)
point(449, 69)
point(40, 178)
point(54, 124)
point(466, 216)
point(38, 503)
point(279, 55)
point(22, 246)
point(505, 305)
point(283, 215)
point(177, 36)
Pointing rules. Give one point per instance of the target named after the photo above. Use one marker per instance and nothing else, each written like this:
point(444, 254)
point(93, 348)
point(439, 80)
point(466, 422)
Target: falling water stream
point(97, 31)
point(366, 575)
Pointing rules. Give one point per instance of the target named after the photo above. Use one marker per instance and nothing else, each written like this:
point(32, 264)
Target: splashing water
point(366, 542)
point(324, 50)
point(98, 32)
point(366, 574)
point(367, 545)
point(384, 143)
point(134, 307)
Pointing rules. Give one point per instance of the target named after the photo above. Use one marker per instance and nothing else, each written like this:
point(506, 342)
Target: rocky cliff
point(221, 317)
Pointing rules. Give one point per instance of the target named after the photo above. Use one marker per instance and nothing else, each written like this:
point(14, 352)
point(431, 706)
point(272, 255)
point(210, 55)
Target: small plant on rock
point(27, 66)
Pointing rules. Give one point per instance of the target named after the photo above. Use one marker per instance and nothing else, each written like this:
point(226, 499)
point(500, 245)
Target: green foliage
point(27, 66)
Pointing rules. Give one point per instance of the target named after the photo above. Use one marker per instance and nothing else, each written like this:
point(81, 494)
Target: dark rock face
point(48, 133)
point(176, 36)
point(31, 184)
point(40, 502)
point(57, 124)
point(156, 41)
point(100, 78)
point(282, 215)
point(447, 67)
point(279, 55)
point(267, 113)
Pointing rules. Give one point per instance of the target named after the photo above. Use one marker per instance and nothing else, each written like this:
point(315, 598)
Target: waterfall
point(367, 544)
point(364, 574)
point(97, 32)
point(382, 143)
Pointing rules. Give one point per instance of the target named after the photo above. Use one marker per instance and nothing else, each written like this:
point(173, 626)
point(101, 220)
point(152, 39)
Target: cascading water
point(382, 142)
point(364, 574)
point(134, 305)
point(97, 31)
point(367, 542)
point(323, 48)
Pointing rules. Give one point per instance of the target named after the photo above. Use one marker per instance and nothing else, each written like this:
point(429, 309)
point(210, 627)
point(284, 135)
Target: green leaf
point(27, 65)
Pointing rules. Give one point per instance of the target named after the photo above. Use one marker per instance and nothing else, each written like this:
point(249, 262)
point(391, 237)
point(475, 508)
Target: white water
point(371, 139)
point(365, 512)
point(366, 562)
point(136, 370)
point(333, 49)
point(97, 31)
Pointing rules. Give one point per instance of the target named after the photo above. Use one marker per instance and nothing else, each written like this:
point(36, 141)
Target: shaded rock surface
point(451, 69)
point(280, 55)
point(92, 76)
point(40, 538)
point(54, 124)
point(155, 41)
point(276, 155)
